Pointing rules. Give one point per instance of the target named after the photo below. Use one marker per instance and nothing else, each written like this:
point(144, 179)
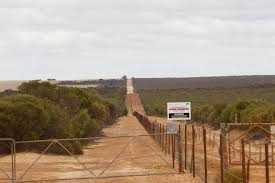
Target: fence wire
point(7, 160)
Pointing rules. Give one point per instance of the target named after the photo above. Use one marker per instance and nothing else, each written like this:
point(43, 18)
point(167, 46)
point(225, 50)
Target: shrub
point(25, 117)
point(73, 100)
point(84, 126)
point(22, 119)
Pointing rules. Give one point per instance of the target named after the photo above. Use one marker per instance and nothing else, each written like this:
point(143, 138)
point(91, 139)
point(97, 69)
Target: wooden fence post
point(173, 149)
point(248, 171)
point(185, 146)
point(272, 154)
point(163, 137)
point(160, 135)
point(205, 155)
point(221, 159)
point(165, 144)
point(179, 152)
point(193, 152)
point(266, 163)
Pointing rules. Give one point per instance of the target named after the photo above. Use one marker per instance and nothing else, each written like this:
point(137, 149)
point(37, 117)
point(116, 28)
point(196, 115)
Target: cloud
point(103, 33)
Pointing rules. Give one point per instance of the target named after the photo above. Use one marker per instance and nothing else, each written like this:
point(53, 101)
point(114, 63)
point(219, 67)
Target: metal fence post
point(266, 163)
point(13, 154)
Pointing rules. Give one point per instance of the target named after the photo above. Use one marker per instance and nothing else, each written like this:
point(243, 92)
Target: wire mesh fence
point(7, 160)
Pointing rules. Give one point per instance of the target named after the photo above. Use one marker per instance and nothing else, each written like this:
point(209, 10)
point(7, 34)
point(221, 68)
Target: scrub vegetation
point(216, 105)
point(115, 95)
point(40, 110)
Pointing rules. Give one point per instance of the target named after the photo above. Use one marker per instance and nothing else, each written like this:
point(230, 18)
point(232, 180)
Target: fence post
point(179, 152)
point(185, 146)
point(266, 163)
point(248, 171)
point(243, 162)
point(214, 139)
point(272, 153)
point(205, 154)
point(163, 137)
point(223, 129)
point(155, 137)
point(13, 149)
point(193, 151)
point(260, 151)
point(249, 146)
point(221, 158)
point(160, 135)
point(168, 144)
point(173, 149)
point(165, 144)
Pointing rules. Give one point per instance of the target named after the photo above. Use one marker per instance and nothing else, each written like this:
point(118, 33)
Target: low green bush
point(41, 110)
point(25, 117)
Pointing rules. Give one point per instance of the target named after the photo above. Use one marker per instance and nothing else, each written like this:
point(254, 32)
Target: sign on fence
point(172, 128)
point(179, 111)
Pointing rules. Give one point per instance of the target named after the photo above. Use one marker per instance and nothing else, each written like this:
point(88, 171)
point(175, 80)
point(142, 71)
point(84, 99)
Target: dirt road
point(133, 101)
point(130, 88)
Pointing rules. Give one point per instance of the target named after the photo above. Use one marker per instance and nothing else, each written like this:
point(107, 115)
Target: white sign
point(172, 128)
point(272, 131)
point(179, 111)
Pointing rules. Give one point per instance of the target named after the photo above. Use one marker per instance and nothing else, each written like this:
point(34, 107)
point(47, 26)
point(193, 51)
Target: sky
point(89, 39)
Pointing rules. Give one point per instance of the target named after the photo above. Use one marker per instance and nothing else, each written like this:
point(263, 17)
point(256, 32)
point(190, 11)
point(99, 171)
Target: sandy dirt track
point(132, 100)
